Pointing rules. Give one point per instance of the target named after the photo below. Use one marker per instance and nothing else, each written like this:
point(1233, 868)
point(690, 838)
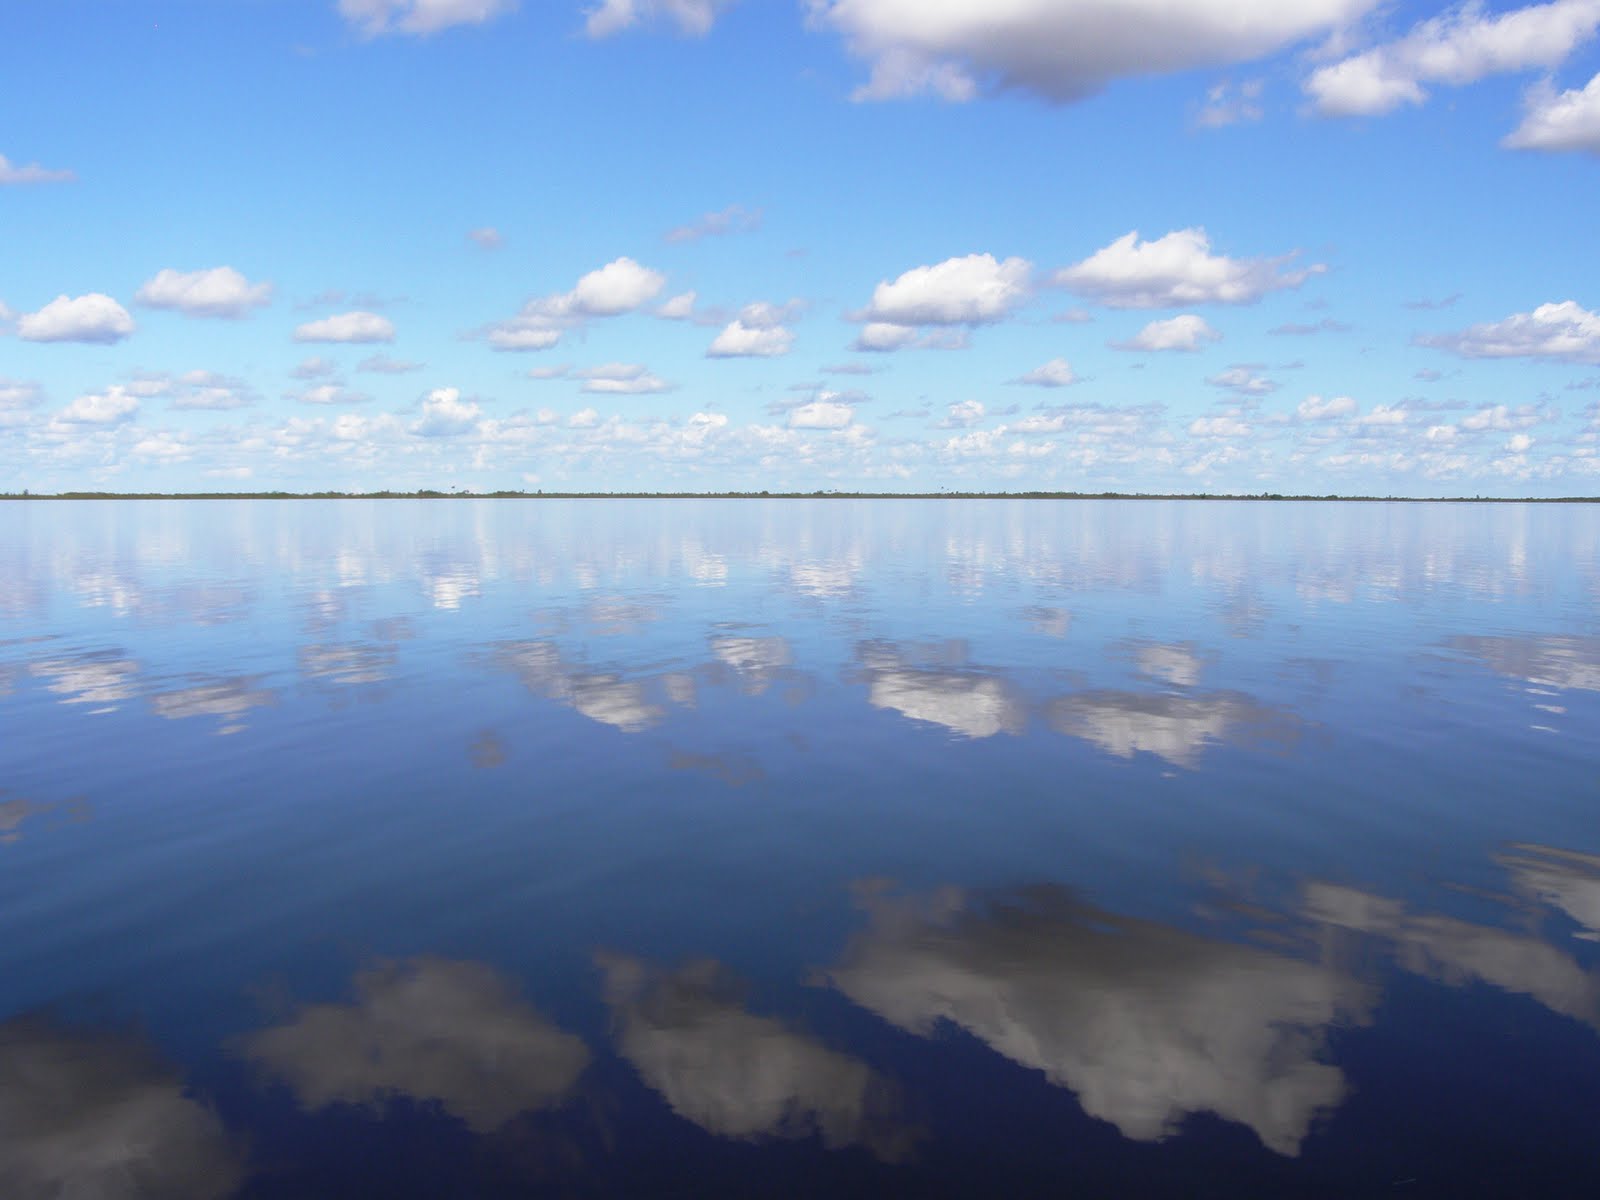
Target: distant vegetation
point(429, 494)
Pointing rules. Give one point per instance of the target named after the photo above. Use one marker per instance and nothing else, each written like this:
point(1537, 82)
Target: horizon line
point(828, 494)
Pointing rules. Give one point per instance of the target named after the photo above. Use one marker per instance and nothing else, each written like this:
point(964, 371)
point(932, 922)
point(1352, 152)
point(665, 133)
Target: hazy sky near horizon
point(1174, 245)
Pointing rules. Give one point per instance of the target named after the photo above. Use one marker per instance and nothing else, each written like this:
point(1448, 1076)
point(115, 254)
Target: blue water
point(524, 848)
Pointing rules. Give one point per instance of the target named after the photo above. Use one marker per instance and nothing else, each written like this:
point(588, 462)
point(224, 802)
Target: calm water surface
point(492, 849)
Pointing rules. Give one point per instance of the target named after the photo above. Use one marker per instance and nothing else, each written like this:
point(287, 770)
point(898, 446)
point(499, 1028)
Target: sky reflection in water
point(929, 848)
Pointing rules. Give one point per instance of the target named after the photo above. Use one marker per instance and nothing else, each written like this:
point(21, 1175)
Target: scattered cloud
point(1242, 380)
point(1306, 329)
point(1426, 305)
point(328, 393)
point(963, 414)
point(733, 219)
point(110, 407)
point(1188, 333)
point(384, 364)
point(218, 292)
point(961, 49)
point(315, 368)
point(880, 337)
point(195, 390)
point(95, 318)
point(1565, 332)
point(757, 332)
point(1053, 374)
point(1230, 104)
point(693, 18)
point(1559, 121)
point(486, 237)
point(1456, 47)
point(419, 18)
point(974, 290)
point(350, 327)
point(17, 175)
point(621, 286)
point(677, 308)
point(1177, 270)
point(821, 413)
point(1315, 408)
point(446, 414)
point(622, 379)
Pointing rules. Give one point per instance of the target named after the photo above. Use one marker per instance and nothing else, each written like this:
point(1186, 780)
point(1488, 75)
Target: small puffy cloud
point(486, 237)
point(733, 219)
point(419, 18)
point(218, 292)
point(1504, 419)
point(315, 368)
point(622, 379)
point(1053, 374)
point(1224, 426)
point(347, 327)
point(328, 393)
point(959, 49)
point(974, 290)
point(1456, 47)
point(1176, 270)
point(1242, 380)
point(17, 397)
point(880, 337)
point(619, 287)
point(202, 391)
point(821, 413)
point(963, 414)
point(1315, 408)
point(1187, 333)
point(1566, 332)
point(757, 332)
point(586, 418)
point(1558, 121)
point(1519, 443)
point(1227, 104)
point(110, 407)
point(559, 371)
point(692, 17)
point(94, 318)
point(446, 414)
point(677, 308)
point(383, 364)
point(1384, 415)
point(16, 174)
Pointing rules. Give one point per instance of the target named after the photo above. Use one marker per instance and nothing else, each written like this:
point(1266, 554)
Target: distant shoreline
point(827, 495)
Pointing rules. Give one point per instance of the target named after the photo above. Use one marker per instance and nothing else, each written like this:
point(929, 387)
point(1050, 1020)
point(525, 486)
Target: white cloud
point(95, 318)
point(1227, 104)
point(733, 219)
point(692, 17)
point(821, 414)
point(622, 379)
point(1315, 408)
point(1519, 443)
point(1218, 427)
point(383, 364)
point(446, 414)
point(110, 407)
point(15, 174)
point(1564, 331)
point(1061, 51)
point(677, 308)
point(1176, 270)
point(486, 237)
point(16, 398)
point(197, 390)
point(419, 18)
point(1243, 381)
point(882, 336)
point(347, 327)
point(586, 418)
point(1187, 333)
point(218, 292)
point(1503, 419)
point(315, 368)
point(619, 287)
point(743, 340)
point(328, 393)
point(974, 290)
point(1456, 47)
point(963, 414)
point(1053, 374)
point(1568, 120)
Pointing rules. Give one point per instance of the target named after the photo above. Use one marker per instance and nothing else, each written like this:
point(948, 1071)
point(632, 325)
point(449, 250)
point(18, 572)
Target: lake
point(799, 848)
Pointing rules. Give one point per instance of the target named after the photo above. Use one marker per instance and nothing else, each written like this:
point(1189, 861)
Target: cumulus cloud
point(383, 364)
point(1315, 408)
point(742, 1076)
point(93, 1116)
point(821, 413)
point(1187, 333)
point(1457, 47)
point(622, 379)
point(218, 292)
point(621, 286)
point(17, 398)
point(691, 17)
point(446, 414)
point(1145, 1023)
point(328, 393)
point(960, 49)
point(195, 390)
point(879, 337)
point(733, 219)
point(600, 696)
point(1226, 425)
point(1053, 374)
point(1177, 270)
point(419, 18)
point(1565, 331)
point(974, 290)
point(967, 701)
point(1559, 121)
point(16, 174)
point(110, 407)
point(347, 327)
point(95, 318)
point(1243, 380)
point(1175, 728)
point(677, 308)
point(963, 414)
point(431, 1029)
point(757, 332)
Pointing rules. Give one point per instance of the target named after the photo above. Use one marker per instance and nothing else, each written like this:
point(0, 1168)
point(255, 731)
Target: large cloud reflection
point(1169, 725)
point(95, 1117)
point(968, 701)
point(430, 1029)
point(1145, 1023)
point(739, 1075)
point(607, 698)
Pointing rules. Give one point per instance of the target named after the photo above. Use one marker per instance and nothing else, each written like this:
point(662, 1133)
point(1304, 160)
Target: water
point(786, 848)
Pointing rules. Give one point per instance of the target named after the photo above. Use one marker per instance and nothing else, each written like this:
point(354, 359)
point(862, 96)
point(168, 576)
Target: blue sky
point(1168, 245)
